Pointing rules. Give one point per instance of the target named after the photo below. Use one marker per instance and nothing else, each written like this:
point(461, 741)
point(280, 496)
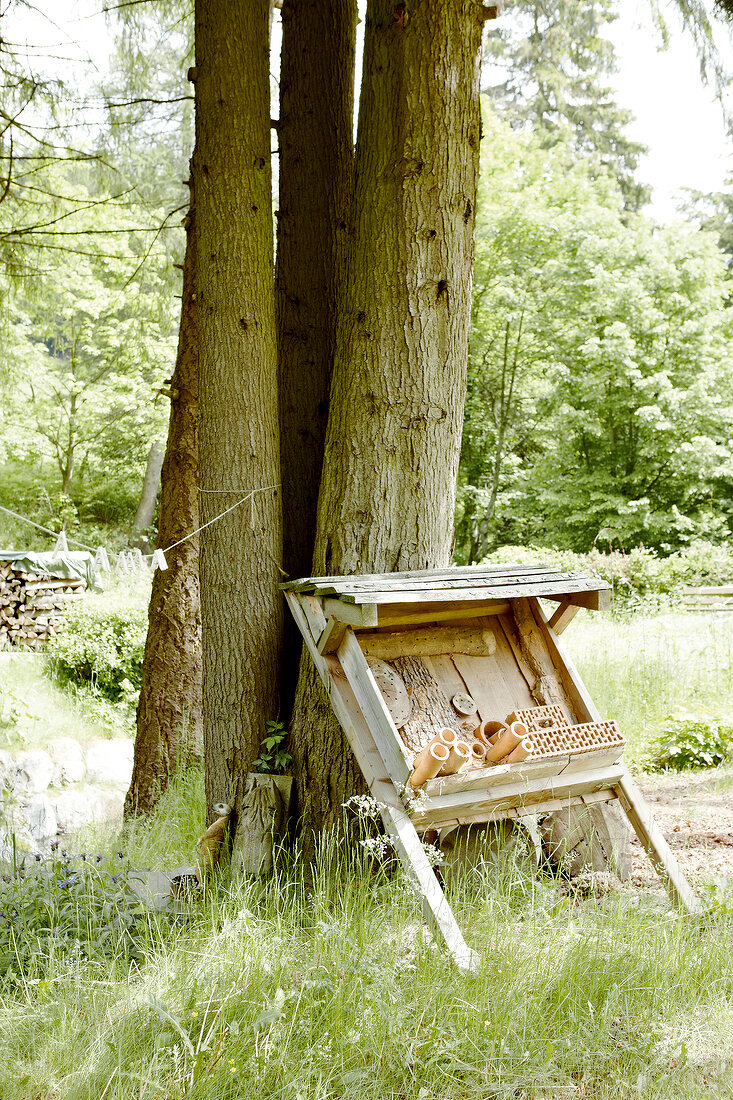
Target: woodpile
point(33, 605)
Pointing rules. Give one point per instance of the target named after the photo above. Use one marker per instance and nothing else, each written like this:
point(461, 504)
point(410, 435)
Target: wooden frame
point(514, 659)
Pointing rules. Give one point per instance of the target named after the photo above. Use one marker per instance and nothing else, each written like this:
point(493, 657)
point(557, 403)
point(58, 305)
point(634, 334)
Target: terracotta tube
point(521, 752)
point(490, 731)
point(428, 763)
point(447, 736)
point(507, 742)
point(478, 753)
point(459, 754)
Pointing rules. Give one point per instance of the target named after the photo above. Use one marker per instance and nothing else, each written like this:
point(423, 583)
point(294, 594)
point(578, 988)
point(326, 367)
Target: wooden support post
point(400, 828)
point(653, 842)
point(564, 615)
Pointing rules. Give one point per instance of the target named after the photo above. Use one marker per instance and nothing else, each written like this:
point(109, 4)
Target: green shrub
point(103, 645)
point(637, 576)
point(692, 743)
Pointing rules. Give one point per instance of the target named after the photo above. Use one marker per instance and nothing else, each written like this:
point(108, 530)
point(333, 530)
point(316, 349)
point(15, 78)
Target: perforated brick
point(558, 740)
point(539, 718)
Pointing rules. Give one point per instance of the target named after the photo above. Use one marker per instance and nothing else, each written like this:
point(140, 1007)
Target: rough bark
point(238, 432)
point(393, 440)
point(151, 483)
point(169, 709)
point(315, 133)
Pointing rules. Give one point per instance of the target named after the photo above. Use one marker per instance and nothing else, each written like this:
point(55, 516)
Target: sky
point(677, 117)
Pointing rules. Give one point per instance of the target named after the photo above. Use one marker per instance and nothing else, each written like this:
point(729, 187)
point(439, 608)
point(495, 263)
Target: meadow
point(323, 982)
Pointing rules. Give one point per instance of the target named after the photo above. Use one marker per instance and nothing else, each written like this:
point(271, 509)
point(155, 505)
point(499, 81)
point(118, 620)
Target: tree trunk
point(238, 441)
point(149, 495)
point(394, 431)
point(169, 710)
point(315, 135)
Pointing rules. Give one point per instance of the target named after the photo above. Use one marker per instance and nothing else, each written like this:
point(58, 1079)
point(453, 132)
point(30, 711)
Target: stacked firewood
point(32, 605)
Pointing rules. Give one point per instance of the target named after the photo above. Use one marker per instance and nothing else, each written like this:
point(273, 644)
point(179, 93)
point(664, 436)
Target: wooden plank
point(598, 600)
point(710, 590)
point(408, 614)
point(407, 843)
point(456, 595)
point(652, 840)
point(564, 615)
point(361, 616)
point(428, 642)
point(331, 636)
point(374, 709)
point(388, 583)
point(436, 809)
point(452, 572)
point(315, 617)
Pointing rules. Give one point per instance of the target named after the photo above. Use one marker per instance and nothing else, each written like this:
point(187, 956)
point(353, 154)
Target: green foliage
point(550, 69)
point(54, 909)
point(692, 742)
point(103, 646)
point(273, 759)
point(600, 391)
point(635, 575)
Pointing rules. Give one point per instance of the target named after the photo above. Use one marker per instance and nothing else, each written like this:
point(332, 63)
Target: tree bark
point(151, 482)
point(169, 709)
point(238, 441)
point(315, 133)
point(394, 431)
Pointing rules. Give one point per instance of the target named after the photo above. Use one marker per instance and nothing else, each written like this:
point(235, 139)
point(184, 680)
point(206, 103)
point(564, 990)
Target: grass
point(642, 670)
point(324, 985)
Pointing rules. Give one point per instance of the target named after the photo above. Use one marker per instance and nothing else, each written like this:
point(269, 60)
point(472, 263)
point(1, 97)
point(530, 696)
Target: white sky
point(677, 117)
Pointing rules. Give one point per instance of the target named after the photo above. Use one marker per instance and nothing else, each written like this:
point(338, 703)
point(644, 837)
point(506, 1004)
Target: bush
point(103, 645)
point(692, 743)
point(637, 576)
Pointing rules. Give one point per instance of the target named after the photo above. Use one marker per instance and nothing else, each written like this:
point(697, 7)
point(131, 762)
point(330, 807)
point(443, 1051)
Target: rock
point(33, 772)
point(68, 761)
point(110, 762)
point(41, 817)
point(87, 805)
point(7, 771)
point(74, 809)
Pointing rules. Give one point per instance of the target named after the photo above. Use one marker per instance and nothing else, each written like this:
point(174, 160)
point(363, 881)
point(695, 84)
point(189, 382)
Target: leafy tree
point(600, 384)
point(550, 64)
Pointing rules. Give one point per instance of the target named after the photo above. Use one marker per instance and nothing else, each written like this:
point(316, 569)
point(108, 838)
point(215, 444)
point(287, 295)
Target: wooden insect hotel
point(461, 706)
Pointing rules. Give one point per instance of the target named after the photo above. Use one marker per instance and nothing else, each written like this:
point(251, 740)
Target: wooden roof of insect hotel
point(378, 599)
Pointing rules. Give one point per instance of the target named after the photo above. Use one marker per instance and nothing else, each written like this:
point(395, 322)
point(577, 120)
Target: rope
point(250, 494)
point(46, 529)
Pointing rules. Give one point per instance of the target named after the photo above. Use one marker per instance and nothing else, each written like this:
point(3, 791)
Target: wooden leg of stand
point(653, 842)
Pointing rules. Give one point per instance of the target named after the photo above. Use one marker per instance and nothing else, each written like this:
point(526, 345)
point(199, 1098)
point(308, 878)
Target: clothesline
point(157, 558)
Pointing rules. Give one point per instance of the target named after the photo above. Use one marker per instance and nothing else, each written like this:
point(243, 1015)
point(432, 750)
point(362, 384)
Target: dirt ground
point(695, 813)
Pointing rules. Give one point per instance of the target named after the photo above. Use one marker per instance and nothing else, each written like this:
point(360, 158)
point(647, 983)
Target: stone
point(74, 809)
point(7, 771)
point(68, 761)
point(33, 772)
point(88, 805)
point(41, 818)
point(110, 762)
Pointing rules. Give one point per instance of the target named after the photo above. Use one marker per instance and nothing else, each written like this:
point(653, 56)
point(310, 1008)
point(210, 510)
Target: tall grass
point(642, 670)
point(322, 983)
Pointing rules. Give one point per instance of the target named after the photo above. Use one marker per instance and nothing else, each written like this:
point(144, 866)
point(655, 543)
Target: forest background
point(600, 390)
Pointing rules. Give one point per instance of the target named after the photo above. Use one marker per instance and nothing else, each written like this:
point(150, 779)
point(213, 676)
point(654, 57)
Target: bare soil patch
point(694, 810)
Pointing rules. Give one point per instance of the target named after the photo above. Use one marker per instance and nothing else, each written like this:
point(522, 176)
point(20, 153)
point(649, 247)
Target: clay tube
point(478, 754)
point(428, 763)
point(521, 752)
point(490, 731)
point(507, 742)
point(459, 754)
